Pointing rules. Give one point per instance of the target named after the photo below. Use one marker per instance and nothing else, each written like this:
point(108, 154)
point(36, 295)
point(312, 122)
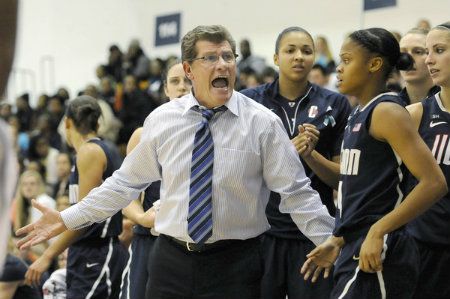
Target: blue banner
point(167, 30)
point(374, 4)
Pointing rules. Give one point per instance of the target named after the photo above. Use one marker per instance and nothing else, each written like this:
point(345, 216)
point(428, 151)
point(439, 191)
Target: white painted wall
point(77, 34)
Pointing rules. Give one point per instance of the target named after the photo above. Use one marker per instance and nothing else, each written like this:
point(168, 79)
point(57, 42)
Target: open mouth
point(220, 82)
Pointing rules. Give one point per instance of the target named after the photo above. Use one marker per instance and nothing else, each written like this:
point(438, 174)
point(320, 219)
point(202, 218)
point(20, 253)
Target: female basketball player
point(379, 259)
point(307, 111)
point(96, 258)
point(135, 277)
point(418, 83)
point(431, 117)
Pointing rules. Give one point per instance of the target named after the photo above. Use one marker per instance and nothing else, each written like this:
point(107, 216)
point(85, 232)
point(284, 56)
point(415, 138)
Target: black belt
point(194, 247)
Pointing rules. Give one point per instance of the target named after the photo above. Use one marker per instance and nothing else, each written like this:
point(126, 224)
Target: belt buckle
point(188, 248)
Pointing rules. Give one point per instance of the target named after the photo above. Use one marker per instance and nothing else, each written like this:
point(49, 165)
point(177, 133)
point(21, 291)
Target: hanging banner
point(374, 4)
point(167, 30)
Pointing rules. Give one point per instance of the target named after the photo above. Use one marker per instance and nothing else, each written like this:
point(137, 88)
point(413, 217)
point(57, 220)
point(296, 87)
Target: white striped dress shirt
point(252, 155)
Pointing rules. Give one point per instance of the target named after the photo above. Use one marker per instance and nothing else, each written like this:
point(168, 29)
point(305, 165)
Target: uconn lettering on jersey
point(350, 161)
point(441, 149)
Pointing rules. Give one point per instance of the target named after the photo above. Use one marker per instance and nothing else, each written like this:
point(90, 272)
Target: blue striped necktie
point(200, 189)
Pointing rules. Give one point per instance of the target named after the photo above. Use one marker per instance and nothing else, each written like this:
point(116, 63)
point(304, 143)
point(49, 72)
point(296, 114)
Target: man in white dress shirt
point(218, 154)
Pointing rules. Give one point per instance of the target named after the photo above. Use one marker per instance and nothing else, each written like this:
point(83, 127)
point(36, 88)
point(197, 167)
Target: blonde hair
point(22, 216)
point(325, 45)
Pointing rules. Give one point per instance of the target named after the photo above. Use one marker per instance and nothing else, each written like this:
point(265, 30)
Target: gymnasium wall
point(61, 42)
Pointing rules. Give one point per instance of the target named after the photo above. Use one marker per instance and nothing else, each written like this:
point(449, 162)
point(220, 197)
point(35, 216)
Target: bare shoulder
point(390, 119)
point(91, 153)
point(134, 139)
point(416, 112)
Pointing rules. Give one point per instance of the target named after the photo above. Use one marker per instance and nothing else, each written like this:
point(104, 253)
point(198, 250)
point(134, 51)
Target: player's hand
point(370, 253)
point(322, 258)
point(306, 140)
point(48, 226)
point(147, 219)
point(36, 269)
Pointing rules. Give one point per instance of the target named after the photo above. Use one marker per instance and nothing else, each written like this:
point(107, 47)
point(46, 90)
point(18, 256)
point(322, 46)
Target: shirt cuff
point(73, 219)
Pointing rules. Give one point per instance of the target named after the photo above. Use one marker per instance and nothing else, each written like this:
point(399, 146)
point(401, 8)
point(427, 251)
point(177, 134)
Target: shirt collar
point(278, 97)
point(231, 104)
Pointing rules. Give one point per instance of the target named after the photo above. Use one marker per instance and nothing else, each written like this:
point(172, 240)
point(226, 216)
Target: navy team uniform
point(432, 229)
point(285, 247)
point(403, 94)
point(96, 259)
point(371, 185)
point(135, 277)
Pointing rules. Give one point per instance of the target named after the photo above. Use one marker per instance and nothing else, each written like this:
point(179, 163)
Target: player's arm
point(326, 170)
point(392, 124)
point(91, 162)
point(416, 112)
point(305, 142)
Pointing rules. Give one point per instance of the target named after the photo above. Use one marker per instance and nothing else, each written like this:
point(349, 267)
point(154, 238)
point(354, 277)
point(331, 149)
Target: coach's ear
point(188, 70)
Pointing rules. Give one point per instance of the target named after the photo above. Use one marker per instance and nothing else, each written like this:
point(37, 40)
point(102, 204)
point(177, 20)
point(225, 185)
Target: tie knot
point(208, 113)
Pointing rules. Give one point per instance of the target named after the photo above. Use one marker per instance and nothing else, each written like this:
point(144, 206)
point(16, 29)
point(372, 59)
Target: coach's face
point(212, 72)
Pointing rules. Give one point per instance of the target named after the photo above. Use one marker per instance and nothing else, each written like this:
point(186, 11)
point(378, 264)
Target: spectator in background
point(136, 62)
point(107, 92)
point(324, 57)
point(25, 113)
point(31, 186)
point(424, 24)
point(244, 74)
point(12, 280)
point(44, 127)
point(63, 167)
point(5, 111)
point(55, 110)
point(62, 202)
point(55, 287)
point(109, 125)
point(248, 60)
point(318, 75)
point(155, 84)
point(63, 93)
point(100, 72)
point(41, 151)
point(115, 63)
point(269, 74)
point(394, 82)
point(41, 106)
point(136, 106)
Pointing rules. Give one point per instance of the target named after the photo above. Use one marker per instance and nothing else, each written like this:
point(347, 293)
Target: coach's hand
point(322, 258)
point(48, 226)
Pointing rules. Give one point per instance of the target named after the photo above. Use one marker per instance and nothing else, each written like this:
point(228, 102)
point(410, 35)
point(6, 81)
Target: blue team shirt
point(112, 226)
point(403, 94)
point(325, 109)
point(433, 226)
point(372, 176)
